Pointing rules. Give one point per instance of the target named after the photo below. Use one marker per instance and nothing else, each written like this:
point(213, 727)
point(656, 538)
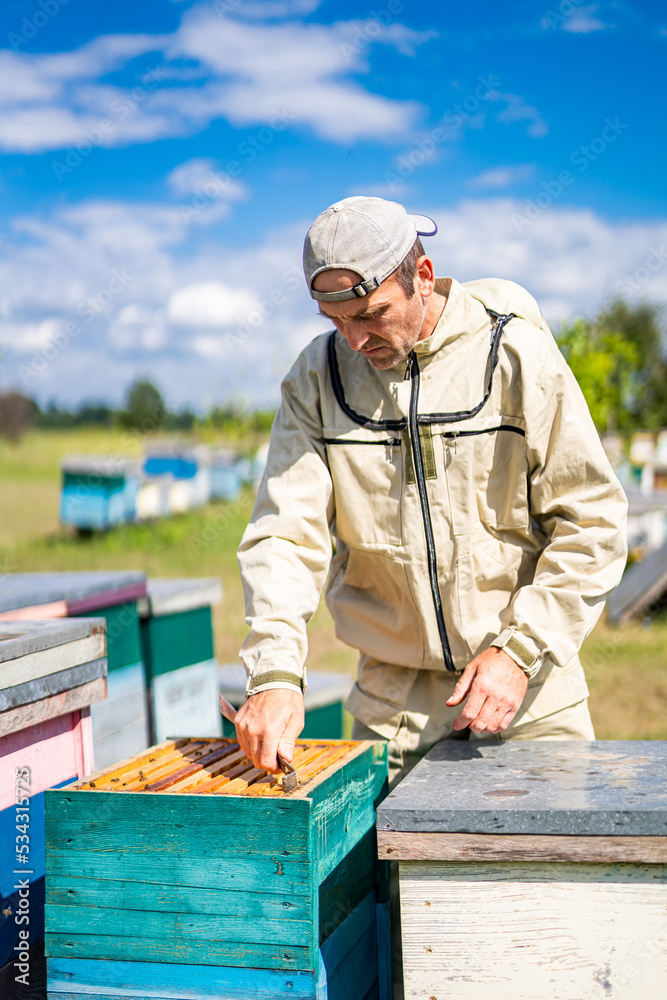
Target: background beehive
point(179, 658)
point(272, 892)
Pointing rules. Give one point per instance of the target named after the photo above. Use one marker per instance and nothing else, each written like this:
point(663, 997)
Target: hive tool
point(289, 773)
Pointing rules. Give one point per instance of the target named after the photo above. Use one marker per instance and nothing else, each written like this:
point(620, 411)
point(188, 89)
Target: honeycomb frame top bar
point(213, 766)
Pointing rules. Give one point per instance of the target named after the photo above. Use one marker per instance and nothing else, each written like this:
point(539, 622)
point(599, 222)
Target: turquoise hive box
point(187, 873)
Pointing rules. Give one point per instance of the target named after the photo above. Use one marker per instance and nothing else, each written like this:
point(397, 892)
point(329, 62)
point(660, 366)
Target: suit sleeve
point(579, 505)
point(286, 549)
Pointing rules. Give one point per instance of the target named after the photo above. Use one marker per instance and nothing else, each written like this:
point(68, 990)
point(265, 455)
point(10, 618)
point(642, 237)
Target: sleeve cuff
point(523, 650)
point(275, 680)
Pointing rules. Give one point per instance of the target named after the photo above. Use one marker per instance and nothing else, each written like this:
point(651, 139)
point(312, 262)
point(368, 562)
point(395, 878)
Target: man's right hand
point(268, 723)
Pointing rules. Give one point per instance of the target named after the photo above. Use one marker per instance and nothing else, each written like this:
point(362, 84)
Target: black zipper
point(391, 441)
point(485, 430)
point(400, 424)
point(412, 371)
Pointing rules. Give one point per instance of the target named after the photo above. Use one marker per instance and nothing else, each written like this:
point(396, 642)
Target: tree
point(145, 409)
point(618, 359)
point(640, 325)
point(17, 414)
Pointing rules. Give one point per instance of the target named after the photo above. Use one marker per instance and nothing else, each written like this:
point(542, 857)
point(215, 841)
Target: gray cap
point(368, 235)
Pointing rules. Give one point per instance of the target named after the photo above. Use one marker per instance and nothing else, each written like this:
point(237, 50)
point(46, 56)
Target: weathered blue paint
point(346, 971)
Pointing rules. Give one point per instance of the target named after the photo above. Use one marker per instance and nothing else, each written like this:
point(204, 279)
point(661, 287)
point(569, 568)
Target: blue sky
point(162, 161)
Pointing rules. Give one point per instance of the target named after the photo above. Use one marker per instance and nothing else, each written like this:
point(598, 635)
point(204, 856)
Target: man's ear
point(424, 276)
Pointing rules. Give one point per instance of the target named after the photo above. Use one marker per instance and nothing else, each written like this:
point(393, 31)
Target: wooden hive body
point(51, 672)
point(120, 723)
point(97, 491)
point(179, 657)
point(532, 870)
point(201, 877)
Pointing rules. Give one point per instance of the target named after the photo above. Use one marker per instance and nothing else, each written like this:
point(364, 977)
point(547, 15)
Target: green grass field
point(625, 667)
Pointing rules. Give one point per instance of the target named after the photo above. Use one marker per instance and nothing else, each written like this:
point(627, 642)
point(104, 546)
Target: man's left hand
point(495, 685)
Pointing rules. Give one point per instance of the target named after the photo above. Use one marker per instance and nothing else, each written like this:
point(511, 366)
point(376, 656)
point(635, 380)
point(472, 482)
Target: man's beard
point(391, 356)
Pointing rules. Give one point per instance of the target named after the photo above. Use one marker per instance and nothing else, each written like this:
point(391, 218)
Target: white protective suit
point(469, 498)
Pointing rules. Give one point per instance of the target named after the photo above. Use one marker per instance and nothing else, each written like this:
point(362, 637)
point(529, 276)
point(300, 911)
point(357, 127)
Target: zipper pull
point(451, 437)
point(408, 369)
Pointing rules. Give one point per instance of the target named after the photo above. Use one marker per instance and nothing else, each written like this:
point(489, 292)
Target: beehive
point(532, 870)
point(185, 871)
point(120, 724)
point(179, 659)
point(98, 491)
point(51, 672)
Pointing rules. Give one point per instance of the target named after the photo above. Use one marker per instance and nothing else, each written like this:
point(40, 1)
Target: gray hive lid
point(19, 638)
point(642, 584)
point(105, 466)
point(40, 661)
point(170, 596)
point(47, 685)
point(615, 788)
point(81, 592)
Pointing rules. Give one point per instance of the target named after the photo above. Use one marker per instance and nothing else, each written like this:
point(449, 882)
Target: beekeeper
point(434, 462)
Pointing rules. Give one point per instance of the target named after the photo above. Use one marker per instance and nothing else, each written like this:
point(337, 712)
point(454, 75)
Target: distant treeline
point(619, 358)
point(144, 410)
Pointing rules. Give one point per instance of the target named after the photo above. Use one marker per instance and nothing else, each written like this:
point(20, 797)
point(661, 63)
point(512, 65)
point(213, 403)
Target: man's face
point(384, 326)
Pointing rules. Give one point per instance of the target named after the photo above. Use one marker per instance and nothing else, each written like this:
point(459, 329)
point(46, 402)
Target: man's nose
point(355, 335)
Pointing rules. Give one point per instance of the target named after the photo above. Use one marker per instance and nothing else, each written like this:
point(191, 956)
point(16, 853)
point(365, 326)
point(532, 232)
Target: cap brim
point(425, 226)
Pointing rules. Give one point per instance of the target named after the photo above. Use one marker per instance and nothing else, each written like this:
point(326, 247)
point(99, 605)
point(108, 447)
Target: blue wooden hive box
point(98, 491)
point(187, 873)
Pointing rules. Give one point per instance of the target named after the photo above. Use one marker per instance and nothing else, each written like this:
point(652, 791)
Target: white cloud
point(23, 338)
point(518, 110)
point(220, 320)
point(501, 177)
point(20, 81)
point(137, 326)
point(267, 9)
point(236, 68)
point(200, 180)
point(582, 21)
point(570, 259)
point(210, 304)
point(295, 69)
